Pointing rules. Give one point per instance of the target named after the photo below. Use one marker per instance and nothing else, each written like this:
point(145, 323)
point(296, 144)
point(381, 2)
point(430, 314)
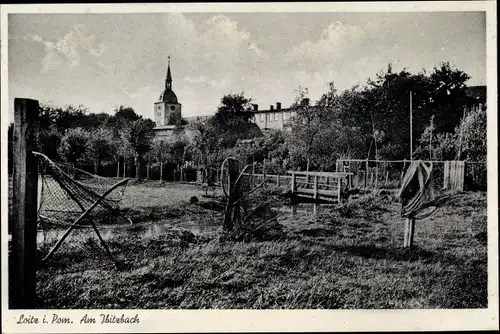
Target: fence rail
point(388, 174)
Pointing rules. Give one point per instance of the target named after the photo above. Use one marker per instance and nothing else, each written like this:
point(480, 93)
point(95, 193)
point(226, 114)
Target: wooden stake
point(409, 232)
point(232, 213)
point(411, 127)
point(22, 272)
point(366, 175)
point(403, 171)
point(264, 171)
point(315, 187)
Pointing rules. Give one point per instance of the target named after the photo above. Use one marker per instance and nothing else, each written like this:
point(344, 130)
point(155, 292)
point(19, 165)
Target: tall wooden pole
point(23, 259)
point(430, 146)
point(411, 127)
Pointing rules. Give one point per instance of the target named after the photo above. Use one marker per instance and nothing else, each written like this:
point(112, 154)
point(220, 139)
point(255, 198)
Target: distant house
point(196, 118)
point(477, 93)
point(274, 117)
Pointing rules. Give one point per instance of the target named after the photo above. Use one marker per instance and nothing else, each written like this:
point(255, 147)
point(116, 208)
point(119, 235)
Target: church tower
point(167, 111)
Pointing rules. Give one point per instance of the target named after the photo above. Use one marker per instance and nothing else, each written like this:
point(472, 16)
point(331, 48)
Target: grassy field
point(348, 257)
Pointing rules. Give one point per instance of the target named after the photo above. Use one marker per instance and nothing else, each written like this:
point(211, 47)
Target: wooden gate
point(454, 174)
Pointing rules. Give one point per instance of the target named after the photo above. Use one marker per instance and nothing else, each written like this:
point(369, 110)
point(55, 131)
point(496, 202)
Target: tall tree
point(472, 133)
point(448, 96)
point(74, 145)
point(161, 150)
point(140, 137)
point(232, 120)
point(306, 124)
point(205, 142)
point(101, 146)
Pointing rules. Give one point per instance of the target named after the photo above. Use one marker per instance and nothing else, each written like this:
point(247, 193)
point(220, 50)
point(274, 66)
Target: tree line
point(366, 122)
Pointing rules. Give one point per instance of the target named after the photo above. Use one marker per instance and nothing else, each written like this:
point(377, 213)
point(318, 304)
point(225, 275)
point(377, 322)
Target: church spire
point(168, 81)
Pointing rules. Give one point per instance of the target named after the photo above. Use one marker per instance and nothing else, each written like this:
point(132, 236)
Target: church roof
point(168, 96)
point(169, 74)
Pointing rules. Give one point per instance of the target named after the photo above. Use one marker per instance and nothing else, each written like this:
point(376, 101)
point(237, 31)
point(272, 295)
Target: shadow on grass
point(156, 213)
point(468, 289)
point(397, 254)
point(153, 213)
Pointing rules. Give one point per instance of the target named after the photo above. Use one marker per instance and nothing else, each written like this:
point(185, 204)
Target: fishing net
point(72, 203)
point(418, 196)
point(247, 215)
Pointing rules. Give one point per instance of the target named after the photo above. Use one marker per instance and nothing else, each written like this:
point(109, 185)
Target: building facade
point(167, 111)
point(275, 117)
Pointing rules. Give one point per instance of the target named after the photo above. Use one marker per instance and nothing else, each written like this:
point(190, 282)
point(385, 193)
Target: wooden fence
point(388, 174)
point(326, 186)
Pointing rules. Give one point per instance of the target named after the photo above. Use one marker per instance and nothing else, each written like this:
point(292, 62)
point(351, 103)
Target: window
point(262, 117)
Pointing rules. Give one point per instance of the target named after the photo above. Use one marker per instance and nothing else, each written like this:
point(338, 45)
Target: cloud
point(68, 51)
point(122, 58)
point(337, 42)
point(195, 80)
point(208, 59)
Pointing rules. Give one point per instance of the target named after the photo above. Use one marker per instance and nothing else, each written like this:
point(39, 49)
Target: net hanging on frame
point(77, 200)
point(417, 194)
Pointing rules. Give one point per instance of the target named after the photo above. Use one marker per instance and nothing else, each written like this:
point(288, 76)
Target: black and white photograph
point(244, 157)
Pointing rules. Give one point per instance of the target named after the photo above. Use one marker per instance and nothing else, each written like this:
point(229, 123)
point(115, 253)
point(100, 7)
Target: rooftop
point(477, 92)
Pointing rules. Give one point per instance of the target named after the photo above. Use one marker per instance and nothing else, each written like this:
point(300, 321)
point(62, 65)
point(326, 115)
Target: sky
point(102, 61)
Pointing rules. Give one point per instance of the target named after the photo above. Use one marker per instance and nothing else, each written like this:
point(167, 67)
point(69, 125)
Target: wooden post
point(403, 170)
point(376, 175)
point(315, 186)
point(366, 175)
point(409, 232)
point(371, 178)
point(338, 189)
point(161, 171)
point(253, 172)
point(278, 180)
point(293, 183)
point(232, 214)
point(264, 171)
point(22, 271)
point(411, 127)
